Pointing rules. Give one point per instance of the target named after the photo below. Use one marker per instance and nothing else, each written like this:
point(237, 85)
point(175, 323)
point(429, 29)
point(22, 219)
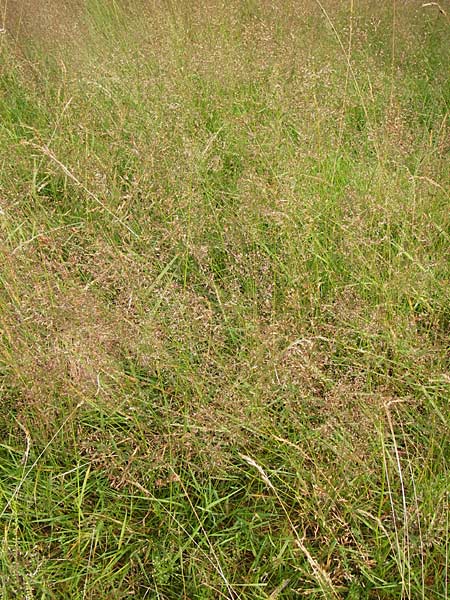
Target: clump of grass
point(223, 301)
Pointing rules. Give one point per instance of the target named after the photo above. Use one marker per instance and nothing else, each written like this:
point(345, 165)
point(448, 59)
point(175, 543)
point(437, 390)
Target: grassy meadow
point(224, 299)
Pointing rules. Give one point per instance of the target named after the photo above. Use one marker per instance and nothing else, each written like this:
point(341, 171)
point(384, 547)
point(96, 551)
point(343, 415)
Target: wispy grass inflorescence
point(224, 300)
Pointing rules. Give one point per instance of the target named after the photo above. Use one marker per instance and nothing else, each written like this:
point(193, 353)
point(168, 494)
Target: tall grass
point(224, 300)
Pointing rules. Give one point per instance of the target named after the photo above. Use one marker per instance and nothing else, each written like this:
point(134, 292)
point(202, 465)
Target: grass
point(224, 300)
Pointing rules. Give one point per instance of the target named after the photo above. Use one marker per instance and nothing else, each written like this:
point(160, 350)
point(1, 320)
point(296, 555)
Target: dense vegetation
point(224, 300)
